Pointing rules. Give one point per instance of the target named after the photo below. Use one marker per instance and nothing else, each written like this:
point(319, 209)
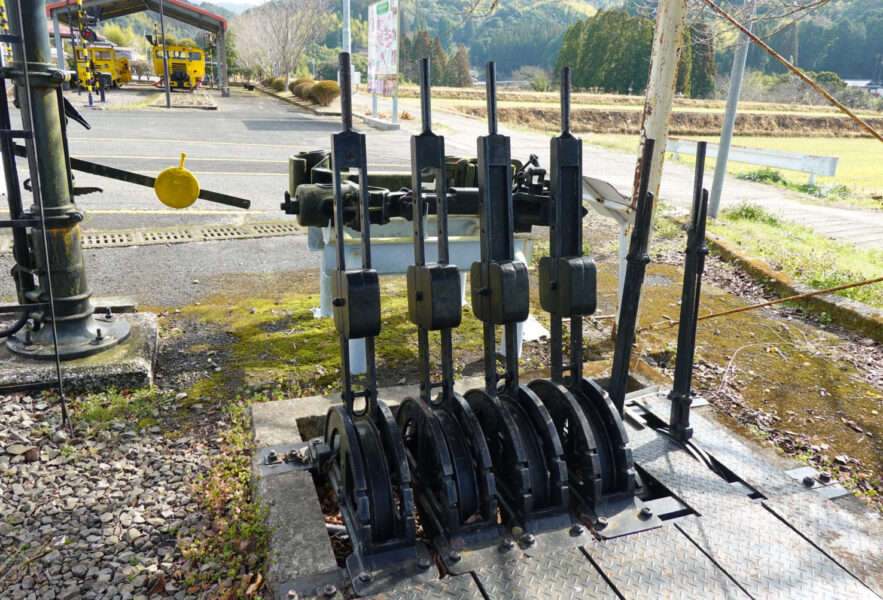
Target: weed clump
point(753, 213)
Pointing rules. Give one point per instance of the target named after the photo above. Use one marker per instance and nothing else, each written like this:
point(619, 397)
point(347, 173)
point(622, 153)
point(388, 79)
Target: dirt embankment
point(590, 120)
point(603, 99)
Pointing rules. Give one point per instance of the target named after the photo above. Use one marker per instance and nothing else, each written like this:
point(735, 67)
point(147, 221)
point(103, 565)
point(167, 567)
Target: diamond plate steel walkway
point(781, 542)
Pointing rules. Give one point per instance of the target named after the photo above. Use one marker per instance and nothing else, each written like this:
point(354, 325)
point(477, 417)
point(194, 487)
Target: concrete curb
point(853, 315)
point(298, 103)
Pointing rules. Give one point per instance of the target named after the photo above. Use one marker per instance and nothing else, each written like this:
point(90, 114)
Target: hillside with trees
point(610, 52)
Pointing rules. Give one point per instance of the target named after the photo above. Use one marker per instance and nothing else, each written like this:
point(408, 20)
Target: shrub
point(278, 84)
point(297, 82)
point(267, 81)
point(302, 90)
point(324, 92)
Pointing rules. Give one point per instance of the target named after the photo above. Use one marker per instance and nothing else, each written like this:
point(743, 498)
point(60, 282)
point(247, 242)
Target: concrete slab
point(129, 365)
point(299, 543)
point(381, 124)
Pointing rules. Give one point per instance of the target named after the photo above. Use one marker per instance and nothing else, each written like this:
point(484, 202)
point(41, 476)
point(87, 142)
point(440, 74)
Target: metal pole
point(57, 244)
point(59, 46)
point(735, 89)
point(165, 56)
point(347, 42)
point(225, 84)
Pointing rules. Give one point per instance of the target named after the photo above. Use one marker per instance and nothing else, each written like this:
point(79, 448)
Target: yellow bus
point(106, 61)
point(187, 66)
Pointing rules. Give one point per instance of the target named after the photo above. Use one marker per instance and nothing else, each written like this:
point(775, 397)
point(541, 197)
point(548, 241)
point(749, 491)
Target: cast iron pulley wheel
point(529, 471)
point(584, 468)
point(614, 453)
point(361, 469)
point(550, 444)
point(429, 459)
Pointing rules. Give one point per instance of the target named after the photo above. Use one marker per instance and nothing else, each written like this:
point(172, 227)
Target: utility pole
point(733, 93)
point(165, 56)
point(668, 41)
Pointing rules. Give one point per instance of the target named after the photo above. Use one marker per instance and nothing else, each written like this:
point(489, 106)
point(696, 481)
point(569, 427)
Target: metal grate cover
point(723, 446)
point(661, 563)
point(566, 575)
point(768, 559)
point(462, 587)
point(175, 235)
point(853, 543)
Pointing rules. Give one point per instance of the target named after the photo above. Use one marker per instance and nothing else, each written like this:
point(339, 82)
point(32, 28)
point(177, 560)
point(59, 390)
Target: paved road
point(243, 148)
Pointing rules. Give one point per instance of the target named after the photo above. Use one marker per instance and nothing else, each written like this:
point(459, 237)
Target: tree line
point(611, 52)
point(445, 69)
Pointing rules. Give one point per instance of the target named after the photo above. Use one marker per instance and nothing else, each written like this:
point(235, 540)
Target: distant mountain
point(237, 8)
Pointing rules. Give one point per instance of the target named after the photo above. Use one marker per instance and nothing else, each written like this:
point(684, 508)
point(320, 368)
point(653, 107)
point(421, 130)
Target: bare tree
point(272, 37)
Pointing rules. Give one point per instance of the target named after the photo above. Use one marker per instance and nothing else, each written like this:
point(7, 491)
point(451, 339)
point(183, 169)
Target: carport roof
point(175, 9)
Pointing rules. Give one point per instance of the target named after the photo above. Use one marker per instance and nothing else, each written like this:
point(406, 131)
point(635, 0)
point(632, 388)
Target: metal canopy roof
point(174, 9)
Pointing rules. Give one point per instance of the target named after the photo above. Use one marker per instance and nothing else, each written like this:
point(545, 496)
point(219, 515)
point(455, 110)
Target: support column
point(58, 250)
point(222, 61)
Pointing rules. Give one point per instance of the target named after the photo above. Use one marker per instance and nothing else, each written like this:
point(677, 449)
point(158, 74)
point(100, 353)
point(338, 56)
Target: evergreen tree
point(704, 68)
point(685, 66)
point(439, 60)
point(458, 69)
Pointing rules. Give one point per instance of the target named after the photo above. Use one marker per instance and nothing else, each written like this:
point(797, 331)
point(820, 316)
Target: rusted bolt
point(454, 555)
point(809, 481)
point(529, 539)
point(271, 456)
point(576, 530)
point(338, 301)
point(329, 590)
point(423, 562)
point(508, 544)
point(98, 336)
point(824, 477)
point(365, 576)
point(646, 512)
point(601, 522)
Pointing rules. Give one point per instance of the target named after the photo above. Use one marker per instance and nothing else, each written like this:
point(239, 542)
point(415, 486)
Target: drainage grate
point(160, 237)
point(175, 235)
point(107, 239)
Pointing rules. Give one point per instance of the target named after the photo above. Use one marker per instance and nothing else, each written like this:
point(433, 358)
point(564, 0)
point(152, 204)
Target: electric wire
point(34, 165)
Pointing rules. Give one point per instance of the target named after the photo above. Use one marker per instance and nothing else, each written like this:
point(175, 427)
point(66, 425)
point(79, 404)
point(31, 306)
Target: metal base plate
point(560, 576)
point(409, 573)
point(848, 539)
point(661, 563)
point(461, 588)
point(76, 339)
point(768, 559)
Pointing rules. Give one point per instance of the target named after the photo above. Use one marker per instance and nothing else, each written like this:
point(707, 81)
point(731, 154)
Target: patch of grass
point(231, 544)
point(773, 177)
point(98, 410)
point(813, 259)
point(752, 213)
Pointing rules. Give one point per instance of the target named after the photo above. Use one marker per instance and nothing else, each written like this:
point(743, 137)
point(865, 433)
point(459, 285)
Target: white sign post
point(383, 53)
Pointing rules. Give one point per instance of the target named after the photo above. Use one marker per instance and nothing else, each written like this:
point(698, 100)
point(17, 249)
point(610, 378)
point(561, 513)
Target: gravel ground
point(93, 518)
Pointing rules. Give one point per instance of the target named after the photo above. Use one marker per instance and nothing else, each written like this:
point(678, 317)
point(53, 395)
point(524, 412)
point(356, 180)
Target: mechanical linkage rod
point(637, 259)
point(697, 250)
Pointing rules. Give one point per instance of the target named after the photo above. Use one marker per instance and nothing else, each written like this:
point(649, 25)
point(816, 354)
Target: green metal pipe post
point(79, 333)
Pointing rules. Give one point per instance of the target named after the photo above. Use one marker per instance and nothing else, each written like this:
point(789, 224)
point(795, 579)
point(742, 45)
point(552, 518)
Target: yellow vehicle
point(186, 64)
point(106, 61)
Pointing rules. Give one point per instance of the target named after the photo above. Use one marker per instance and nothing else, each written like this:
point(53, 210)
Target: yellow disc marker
point(176, 186)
